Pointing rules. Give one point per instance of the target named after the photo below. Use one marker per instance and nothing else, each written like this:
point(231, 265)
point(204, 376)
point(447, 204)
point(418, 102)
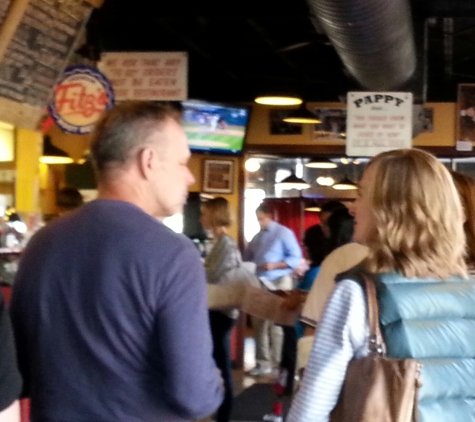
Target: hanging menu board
point(155, 76)
point(37, 55)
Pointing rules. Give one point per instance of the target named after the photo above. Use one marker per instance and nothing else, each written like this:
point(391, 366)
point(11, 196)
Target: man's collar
point(269, 226)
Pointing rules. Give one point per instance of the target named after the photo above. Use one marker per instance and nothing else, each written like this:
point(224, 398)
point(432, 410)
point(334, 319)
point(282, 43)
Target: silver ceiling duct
point(374, 39)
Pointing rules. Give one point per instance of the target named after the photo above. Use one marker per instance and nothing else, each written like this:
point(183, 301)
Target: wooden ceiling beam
point(10, 24)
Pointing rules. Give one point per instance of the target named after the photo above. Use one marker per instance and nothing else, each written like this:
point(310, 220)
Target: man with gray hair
point(110, 306)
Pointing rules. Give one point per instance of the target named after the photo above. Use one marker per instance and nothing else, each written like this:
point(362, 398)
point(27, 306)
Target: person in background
point(10, 379)
point(316, 237)
point(276, 252)
point(339, 260)
point(340, 226)
point(223, 257)
point(332, 261)
point(109, 307)
point(68, 199)
point(409, 215)
point(466, 189)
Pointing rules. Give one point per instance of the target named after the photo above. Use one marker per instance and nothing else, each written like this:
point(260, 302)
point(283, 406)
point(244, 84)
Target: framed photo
point(333, 125)
point(279, 127)
point(466, 112)
point(218, 176)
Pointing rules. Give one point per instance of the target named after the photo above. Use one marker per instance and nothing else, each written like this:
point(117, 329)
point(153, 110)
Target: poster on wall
point(279, 127)
point(218, 176)
point(422, 119)
point(152, 76)
point(466, 113)
point(378, 122)
point(333, 124)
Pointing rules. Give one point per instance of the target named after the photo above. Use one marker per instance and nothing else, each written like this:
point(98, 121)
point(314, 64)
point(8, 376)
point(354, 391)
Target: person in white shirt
point(338, 261)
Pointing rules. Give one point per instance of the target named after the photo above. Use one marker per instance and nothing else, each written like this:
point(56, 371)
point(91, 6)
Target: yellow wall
point(259, 131)
point(444, 131)
point(259, 128)
point(28, 151)
point(74, 145)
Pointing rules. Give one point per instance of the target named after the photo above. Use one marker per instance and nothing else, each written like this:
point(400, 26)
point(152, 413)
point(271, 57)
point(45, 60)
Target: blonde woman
point(223, 257)
point(466, 188)
point(409, 215)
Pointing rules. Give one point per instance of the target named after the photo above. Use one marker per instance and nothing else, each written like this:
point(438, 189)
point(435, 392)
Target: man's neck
point(126, 190)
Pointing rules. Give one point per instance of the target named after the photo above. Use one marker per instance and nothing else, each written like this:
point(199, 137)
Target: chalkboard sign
point(40, 49)
point(4, 6)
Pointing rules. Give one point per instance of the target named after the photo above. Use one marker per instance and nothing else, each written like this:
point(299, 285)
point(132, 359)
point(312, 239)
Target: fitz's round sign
point(80, 97)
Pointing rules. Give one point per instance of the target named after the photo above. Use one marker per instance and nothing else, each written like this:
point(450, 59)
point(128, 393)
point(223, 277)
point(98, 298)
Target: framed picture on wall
point(218, 176)
point(279, 127)
point(333, 123)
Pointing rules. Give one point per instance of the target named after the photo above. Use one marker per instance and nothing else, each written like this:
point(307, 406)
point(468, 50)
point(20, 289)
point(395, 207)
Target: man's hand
point(294, 299)
point(269, 266)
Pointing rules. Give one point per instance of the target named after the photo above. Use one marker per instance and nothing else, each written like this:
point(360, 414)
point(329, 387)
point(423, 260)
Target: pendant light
point(302, 116)
point(345, 184)
point(53, 154)
point(321, 163)
point(278, 100)
point(312, 207)
point(293, 182)
point(325, 181)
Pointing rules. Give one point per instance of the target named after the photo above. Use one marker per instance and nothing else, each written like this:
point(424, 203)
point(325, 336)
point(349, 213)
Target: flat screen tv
point(215, 128)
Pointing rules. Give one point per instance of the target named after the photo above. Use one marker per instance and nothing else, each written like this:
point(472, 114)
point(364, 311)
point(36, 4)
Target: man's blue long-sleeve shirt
point(274, 244)
point(111, 321)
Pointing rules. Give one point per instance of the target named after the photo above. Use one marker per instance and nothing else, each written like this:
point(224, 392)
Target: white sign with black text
point(155, 76)
point(378, 122)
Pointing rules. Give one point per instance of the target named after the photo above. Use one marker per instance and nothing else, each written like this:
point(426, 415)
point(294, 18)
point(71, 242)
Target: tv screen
point(215, 128)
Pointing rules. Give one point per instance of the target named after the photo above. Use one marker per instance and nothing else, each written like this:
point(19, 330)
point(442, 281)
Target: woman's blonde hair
point(465, 186)
point(219, 212)
point(418, 216)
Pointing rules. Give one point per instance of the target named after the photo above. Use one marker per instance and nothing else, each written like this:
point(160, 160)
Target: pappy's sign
point(376, 99)
point(378, 122)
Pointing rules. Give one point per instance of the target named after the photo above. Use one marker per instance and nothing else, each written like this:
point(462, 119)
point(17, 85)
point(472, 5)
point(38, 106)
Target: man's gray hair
point(124, 129)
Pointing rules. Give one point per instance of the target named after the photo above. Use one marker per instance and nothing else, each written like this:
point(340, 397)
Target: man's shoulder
point(117, 224)
point(283, 230)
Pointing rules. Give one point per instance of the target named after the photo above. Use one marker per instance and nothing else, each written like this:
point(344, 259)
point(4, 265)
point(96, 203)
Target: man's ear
point(145, 162)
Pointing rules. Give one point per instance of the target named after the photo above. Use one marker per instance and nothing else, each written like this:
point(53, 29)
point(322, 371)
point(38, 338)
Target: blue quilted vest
point(433, 321)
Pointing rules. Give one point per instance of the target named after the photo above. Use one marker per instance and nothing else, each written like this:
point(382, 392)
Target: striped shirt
point(342, 334)
point(338, 261)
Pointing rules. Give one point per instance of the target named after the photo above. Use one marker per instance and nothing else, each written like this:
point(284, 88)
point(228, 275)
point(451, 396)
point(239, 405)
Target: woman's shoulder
point(227, 240)
point(349, 286)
